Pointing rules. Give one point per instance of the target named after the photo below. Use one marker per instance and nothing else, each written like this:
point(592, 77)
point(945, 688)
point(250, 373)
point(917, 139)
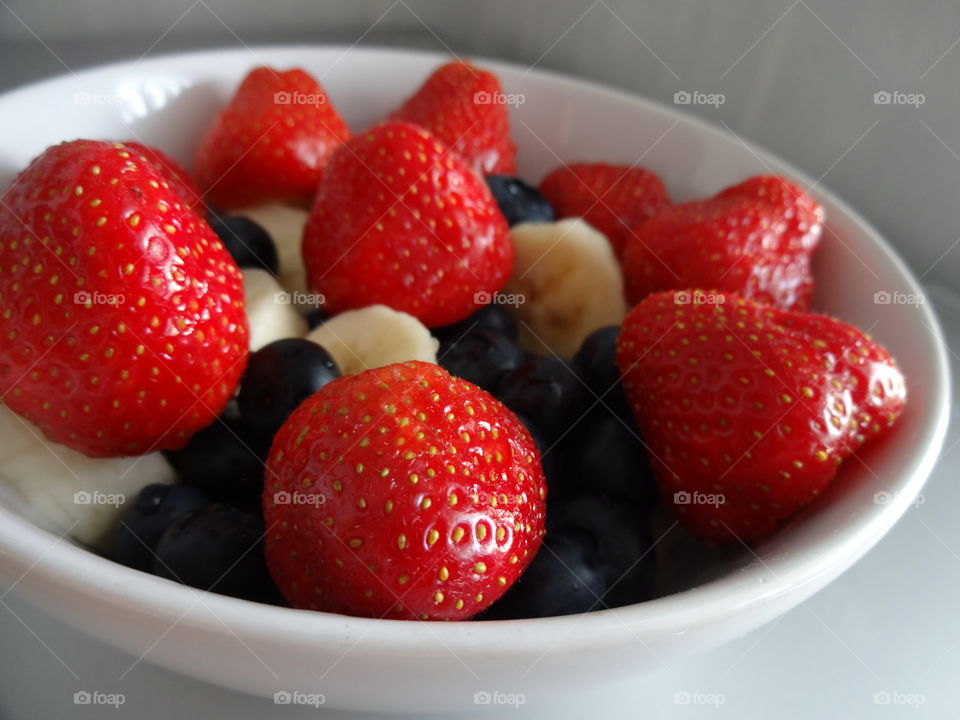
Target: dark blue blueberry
point(519, 202)
point(549, 455)
point(596, 554)
point(546, 391)
point(606, 457)
point(595, 362)
point(217, 548)
point(279, 377)
point(248, 244)
point(481, 357)
point(226, 461)
point(149, 515)
point(316, 318)
point(495, 318)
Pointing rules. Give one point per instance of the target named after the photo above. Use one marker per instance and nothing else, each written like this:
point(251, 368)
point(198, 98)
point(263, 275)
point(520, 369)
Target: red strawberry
point(178, 178)
point(401, 220)
point(612, 198)
point(465, 108)
point(756, 239)
point(270, 142)
point(122, 327)
point(402, 492)
point(748, 410)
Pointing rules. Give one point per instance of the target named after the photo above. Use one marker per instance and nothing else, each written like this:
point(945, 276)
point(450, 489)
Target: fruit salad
point(373, 371)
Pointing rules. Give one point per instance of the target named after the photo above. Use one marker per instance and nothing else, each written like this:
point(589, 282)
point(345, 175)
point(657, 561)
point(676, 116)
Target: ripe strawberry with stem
point(402, 492)
point(400, 220)
point(749, 410)
point(122, 324)
point(755, 238)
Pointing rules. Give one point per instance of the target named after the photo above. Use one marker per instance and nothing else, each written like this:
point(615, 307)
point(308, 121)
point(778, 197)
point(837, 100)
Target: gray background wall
point(799, 76)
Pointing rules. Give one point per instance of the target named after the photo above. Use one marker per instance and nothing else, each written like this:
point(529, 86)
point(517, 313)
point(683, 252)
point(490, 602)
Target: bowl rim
point(38, 558)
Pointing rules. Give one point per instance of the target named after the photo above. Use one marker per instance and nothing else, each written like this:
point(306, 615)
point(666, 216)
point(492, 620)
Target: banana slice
point(567, 283)
point(64, 491)
point(285, 225)
point(269, 311)
point(374, 336)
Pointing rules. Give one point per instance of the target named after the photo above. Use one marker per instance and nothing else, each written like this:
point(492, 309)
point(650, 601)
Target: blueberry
point(279, 377)
point(595, 362)
point(248, 244)
point(607, 457)
point(316, 318)
point(152, 511)
point(225, 460)
point(551, 462)
point(495, 318)
point(547, 391)
point(519, 202)
point(217, 548)
point(481, 357)
point(596, 554)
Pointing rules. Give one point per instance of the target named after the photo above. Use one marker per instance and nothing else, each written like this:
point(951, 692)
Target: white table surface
point(890, 625)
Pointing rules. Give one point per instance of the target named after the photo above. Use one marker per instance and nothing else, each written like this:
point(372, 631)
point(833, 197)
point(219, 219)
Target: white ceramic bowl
point(409, 666)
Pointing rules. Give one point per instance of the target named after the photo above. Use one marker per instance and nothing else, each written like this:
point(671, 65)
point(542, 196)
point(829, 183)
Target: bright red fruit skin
point(749, 403)
point(122, 328)
point(756, 238)
point(433, 497)
point(400, 220)
point(465, 108)
point(270, 142)
point(178, 178)
point(612, 198)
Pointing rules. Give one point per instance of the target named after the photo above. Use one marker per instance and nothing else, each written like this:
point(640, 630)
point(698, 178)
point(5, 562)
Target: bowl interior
point(168, 101)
